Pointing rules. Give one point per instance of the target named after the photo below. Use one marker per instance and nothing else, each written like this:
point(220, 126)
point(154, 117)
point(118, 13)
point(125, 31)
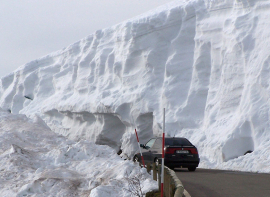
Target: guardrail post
point(159, 177)
point(154, 171)
point(148, 167)
point(166, 183)
point(172, 186)
point(169, 183)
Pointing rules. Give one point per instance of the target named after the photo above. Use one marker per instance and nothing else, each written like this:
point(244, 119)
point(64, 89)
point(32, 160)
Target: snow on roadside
point(206, 61)
point(257, 161)
point(34, 161)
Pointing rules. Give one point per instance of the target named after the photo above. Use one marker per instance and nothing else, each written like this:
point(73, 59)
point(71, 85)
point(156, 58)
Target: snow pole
point(139, 147)
point(163, 144)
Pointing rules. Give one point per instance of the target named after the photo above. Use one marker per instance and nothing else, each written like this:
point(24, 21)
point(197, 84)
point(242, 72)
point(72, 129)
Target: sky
point(30, 29)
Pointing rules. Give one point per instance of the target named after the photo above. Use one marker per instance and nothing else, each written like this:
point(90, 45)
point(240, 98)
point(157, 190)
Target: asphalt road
point(220, 183)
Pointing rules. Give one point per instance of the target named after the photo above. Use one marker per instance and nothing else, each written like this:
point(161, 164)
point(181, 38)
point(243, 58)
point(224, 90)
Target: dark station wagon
point(179, 153)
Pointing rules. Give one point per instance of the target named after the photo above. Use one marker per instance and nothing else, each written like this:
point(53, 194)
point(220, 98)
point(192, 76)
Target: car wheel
point(191, 169)
point(135, 159)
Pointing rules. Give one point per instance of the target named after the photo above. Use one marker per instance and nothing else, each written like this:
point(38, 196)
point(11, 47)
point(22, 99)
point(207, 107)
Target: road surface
point(220, 183)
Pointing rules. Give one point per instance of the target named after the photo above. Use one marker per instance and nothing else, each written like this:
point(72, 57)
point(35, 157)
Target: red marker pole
point(163, 154)
point(139, 148)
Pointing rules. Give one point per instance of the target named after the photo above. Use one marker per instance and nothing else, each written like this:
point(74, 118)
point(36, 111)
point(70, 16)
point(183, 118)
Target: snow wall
point(206, 61)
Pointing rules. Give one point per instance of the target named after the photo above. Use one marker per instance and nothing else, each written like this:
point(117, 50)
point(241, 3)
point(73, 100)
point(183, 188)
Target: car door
point(147, 152)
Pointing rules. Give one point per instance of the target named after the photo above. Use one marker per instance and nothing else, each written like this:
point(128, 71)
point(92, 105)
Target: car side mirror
point(142, 145)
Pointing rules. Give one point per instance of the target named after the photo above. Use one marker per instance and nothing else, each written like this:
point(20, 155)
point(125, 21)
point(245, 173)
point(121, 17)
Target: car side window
point(158, 144)
point(150, 143)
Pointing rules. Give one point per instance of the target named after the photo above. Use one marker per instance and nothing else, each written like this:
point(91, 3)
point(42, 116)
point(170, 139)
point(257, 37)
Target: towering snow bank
point(206, 61)
point(34, 161)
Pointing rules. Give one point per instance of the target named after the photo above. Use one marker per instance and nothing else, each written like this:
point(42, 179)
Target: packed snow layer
point(34, 161)
point(206, 61)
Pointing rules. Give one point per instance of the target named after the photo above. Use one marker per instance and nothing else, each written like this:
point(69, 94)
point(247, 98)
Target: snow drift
point(206, 61)
point(34, 161)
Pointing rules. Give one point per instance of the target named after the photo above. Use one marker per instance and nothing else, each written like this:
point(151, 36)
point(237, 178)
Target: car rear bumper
point(184, 163)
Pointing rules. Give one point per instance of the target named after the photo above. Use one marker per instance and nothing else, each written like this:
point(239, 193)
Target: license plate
point(182, 151)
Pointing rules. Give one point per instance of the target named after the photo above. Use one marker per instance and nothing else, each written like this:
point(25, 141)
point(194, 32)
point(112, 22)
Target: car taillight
point(175, 150)
point(193, 150)
point(169, 151)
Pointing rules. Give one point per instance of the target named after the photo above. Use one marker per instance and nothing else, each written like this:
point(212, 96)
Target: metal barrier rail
point(173, 187)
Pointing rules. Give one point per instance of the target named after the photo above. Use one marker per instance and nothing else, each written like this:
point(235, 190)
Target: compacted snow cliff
point(206, 61)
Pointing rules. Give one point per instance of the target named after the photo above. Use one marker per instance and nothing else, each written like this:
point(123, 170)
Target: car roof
point(170, 137)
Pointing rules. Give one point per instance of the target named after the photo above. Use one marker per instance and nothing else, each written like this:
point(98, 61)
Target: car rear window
point(177, 142)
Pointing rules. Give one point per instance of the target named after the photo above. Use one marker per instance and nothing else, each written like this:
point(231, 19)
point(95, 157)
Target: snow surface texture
point(206, 61)
point(34, 161)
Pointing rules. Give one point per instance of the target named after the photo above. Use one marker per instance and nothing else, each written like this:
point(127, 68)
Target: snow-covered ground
point(34, 161)
point(206, 61)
